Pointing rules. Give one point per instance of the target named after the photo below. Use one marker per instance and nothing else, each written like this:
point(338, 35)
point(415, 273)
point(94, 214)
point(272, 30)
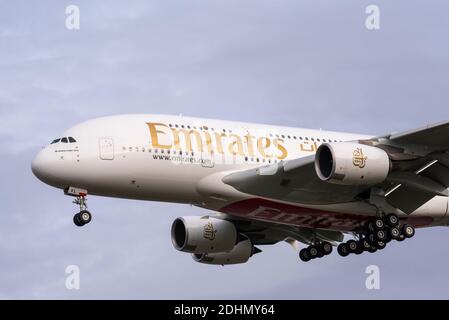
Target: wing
point(420, 172)
point(435, 136)
point(293, 181)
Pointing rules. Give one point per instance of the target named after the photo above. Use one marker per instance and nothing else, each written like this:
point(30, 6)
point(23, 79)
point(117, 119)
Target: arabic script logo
point(209, 232)
point(358, 159)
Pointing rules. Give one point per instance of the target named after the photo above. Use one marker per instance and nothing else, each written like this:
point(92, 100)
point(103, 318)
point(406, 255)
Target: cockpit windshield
point(64, 140)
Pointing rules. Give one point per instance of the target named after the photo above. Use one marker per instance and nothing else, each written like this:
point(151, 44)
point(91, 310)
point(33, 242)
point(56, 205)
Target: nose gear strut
point(83, 216)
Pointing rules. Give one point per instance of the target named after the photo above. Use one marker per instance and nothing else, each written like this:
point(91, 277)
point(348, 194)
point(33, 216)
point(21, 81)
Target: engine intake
point(351, 163)
point(203, 235)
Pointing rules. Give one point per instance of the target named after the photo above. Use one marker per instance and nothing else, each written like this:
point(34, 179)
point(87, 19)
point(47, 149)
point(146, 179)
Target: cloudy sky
point(301, 63)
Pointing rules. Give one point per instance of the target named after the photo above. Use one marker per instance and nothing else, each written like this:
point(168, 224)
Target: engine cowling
point(351, 163)
point(239, 254)
point(203, 235)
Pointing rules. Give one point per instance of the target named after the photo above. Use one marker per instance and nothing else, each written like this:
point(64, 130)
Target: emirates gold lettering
point(191, 140)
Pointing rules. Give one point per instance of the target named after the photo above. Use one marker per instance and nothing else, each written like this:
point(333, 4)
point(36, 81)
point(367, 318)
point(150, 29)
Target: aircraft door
point(106, 148)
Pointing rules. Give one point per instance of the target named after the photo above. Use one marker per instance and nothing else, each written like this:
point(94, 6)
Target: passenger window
point(64, 140)
point(71, 140)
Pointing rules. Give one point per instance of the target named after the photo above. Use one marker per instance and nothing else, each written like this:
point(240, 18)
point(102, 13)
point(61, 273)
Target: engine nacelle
point(351, 163)
point(203, 235)
point(239, 254)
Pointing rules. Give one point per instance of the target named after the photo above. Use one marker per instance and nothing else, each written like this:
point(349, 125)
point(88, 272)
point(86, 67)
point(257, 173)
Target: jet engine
point(203, 235)
point(239, 254)
point(351, 163)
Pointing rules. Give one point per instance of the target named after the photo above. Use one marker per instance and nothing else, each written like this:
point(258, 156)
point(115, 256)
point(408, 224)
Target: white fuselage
point(182, 159)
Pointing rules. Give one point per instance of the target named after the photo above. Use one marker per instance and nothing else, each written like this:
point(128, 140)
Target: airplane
point(263, 184)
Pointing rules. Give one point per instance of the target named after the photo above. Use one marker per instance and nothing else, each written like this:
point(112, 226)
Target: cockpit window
point(64, 140)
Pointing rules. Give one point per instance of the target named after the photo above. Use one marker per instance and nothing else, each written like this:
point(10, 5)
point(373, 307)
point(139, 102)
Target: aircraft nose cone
point(41, 166)
point(38, 165)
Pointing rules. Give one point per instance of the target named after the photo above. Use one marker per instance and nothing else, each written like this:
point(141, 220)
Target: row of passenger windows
point(188, 154)
point(283, 136)
point(64, 140)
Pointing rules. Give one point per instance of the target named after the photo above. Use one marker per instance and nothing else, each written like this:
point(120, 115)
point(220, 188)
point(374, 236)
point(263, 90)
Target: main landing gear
point(83, 217)
point(376, 234)
point(316, 250)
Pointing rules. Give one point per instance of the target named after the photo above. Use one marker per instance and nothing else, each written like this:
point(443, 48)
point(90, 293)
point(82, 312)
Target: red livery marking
point(271, 211)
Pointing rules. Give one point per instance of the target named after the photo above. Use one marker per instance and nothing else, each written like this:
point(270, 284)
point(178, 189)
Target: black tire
point(304, 255)
point(380, 235)
point(343, 249)
point(365, 244)
point(381, 245)
point(85, 217)
point(313, 252)
point(353, 246)
point(394, 232)
point(327, 248)
point(392, 220)
point(408, 231)
point(401, 237)
point(359, 249)
point(379, 224)
point(372, 249)
point(77, 221)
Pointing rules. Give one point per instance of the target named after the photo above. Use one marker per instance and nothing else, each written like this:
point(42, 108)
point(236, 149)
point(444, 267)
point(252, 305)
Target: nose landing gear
point(83, 217)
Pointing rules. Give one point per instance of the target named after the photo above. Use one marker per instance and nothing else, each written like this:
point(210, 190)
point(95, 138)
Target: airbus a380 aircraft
point(265, 183)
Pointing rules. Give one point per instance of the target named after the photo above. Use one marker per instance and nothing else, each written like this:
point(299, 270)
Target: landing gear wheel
point(379, 223)
point(77, 221)
point(313, 252)
point(372, 249)
point(304, 255)
point(380, 235)
point(85, 216)
point(392, 220)
point(401, 238)
point(408, 231)
point(381, 245)
point(394, 233)
point(353, 246)
point(365, 244)
point(343, 249)
point(327, 248)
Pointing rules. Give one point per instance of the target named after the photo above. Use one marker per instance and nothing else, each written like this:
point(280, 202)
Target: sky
point(311, 64)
